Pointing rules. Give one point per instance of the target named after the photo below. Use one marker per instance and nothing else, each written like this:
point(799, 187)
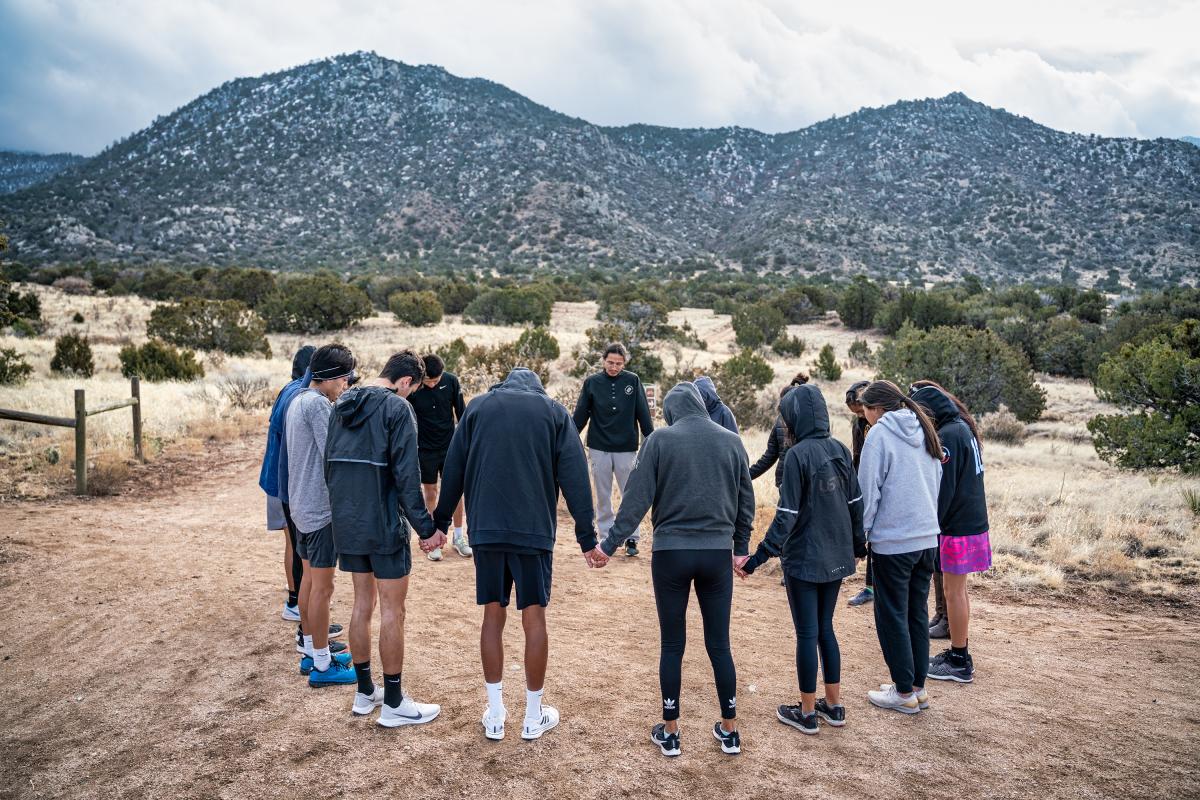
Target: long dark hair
point(887, 395)
point(959, 404)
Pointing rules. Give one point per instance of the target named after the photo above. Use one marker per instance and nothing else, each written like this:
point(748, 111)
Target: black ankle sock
point(391, 690)
point(365, 684)
point(960, 652)
point(292, 597)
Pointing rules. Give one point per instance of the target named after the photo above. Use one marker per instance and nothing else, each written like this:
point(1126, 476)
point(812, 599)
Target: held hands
point(595, 558)
point(738, 563)
point(433, 542)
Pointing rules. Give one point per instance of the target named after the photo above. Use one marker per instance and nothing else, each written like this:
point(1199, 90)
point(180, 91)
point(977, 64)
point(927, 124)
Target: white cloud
point(79, 74)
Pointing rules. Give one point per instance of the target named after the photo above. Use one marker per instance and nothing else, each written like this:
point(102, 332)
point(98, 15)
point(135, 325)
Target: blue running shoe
point(337, 675)
point(306, 662)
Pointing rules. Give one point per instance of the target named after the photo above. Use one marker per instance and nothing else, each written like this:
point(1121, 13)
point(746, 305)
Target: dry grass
point(1058, 513)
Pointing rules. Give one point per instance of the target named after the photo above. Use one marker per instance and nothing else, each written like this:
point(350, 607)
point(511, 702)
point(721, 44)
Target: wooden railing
point(79, 423)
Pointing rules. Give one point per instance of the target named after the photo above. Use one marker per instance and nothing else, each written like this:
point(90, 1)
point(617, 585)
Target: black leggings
point(297, 563)
point(812, 613)
point(673, 573)
point(902, 615)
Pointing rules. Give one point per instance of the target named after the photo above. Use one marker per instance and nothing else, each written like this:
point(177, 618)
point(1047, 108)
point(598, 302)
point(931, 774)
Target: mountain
point(360, 160)
point(1191, 140)
point(18, 170)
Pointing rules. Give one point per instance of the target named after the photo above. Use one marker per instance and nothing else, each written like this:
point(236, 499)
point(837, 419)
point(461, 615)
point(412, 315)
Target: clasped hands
point(433, 542)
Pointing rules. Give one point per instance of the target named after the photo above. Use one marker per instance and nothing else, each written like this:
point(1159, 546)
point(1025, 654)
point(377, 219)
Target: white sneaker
point(493, 726)
point(533, 729)
point(409, 712)
point(366, 703)
point(435, 555)
point(460, 544)
point(922, 695)
point(888, 697)
point(291, 613)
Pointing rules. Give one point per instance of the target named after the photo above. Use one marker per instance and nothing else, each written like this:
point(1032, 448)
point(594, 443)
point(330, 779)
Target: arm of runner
point(406, 472)
point(791, 496)
point(745, 513)
point(856, 515)
point(583, 408)
point(573, 479)
point(643, 411)
point(767, 459)
point(453, 475)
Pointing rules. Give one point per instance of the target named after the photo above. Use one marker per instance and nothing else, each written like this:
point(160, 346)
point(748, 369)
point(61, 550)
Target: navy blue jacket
point(512, 452)
point(962, 502)
point(718, 412)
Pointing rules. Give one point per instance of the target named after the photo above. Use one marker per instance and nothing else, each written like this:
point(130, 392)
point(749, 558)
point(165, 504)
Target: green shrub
point(860, 352)
point(511, 305)
point(314, 304)
point(974, 364)
point(250, 286)
point(14, 369)
point(73, 356)
point(860, 303)
point(786, 345)
point(417, 309)
point(1002, 426)
point(1158, 382)
point(801, 303)
point(224, 325)
point(827, 366)
point(158, 361)
point(16, 306)
point(739, 380)
point(757, 324)
point(496, 362)
point(538, 343)
point(453, 355)
point(1068, 347)
point(455, 295)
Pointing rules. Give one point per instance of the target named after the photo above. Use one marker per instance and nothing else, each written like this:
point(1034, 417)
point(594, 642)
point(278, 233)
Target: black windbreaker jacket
point(777, 447)
point(962, 502)
point(372, 473)
point(818, 526)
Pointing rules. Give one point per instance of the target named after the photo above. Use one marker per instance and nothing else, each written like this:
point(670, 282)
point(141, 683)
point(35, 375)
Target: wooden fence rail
point(79, 423)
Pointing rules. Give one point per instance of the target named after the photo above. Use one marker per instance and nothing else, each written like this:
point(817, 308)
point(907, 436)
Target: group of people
point(352, 466)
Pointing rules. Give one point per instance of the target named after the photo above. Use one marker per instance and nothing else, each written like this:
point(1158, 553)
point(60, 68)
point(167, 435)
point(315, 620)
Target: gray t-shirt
point(307, 430)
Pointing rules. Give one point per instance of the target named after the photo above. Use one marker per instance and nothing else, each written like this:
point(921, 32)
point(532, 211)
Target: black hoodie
point(818, 526)
point(962, 502)
point(372, 473)
point(513, 450)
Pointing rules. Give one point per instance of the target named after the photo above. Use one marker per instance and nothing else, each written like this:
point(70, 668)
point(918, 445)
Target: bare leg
point(808, 702)
point(302, 599)
point(287, 561)
point(958, 608)
point(491, 642)
point(537, 647)
point(392, 593)
point(833, 694)
point(458, 515)
point(320, 592)
point(360, 619)
point(430, 490)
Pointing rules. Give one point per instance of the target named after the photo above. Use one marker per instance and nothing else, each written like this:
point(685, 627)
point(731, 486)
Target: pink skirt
point(962, 555)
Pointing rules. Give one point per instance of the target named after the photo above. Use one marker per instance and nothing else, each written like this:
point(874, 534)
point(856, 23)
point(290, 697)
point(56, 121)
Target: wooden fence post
point(80, 443)
point(135, 390)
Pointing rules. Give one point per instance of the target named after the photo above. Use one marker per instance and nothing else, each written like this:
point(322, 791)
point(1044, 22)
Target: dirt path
point(143, 656)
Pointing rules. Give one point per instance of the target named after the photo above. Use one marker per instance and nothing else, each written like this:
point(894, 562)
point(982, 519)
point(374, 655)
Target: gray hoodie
point(696, 476)
point(899, 482)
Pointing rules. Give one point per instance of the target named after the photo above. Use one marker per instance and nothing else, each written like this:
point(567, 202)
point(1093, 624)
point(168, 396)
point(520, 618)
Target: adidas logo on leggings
point(668, 705)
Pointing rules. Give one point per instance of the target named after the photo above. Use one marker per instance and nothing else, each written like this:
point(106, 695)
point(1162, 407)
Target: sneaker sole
point(733, 751)
point(954, 678)
point(837, 723)
point(398, 722)
point(529, 737)
point(323, 684)
point(794, 724)
point(496, 736)
point(362, 712)
point(664, 749)
point(286, 618)
point(901, 709)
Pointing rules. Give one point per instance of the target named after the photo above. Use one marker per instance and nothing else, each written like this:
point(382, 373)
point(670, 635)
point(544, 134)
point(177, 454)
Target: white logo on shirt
point(628, 390)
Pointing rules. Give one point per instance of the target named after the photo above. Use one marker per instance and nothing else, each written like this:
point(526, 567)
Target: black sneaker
point(795, 716)
point(731, 742)
point(946, 666)
point(667, 742)
point(834, 715)
point(862, 598)
point(335, 630)
point(337, 647)
point(631, 548)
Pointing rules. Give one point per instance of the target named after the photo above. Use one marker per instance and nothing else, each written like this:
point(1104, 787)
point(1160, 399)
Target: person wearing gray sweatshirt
point(696, 477)
point(900, 473)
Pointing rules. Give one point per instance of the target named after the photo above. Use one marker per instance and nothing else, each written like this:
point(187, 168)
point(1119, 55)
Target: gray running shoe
point(862, 598)
point(945, 666)
point(939, 628)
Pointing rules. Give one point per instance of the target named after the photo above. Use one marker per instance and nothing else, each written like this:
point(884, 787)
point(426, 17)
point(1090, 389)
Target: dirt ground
point(143, 656)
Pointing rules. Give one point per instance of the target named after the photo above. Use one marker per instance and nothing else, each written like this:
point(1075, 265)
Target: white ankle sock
point(458, 532)
point(308, 645)
point(533, 705)
point(321, 659)
point(495, 696)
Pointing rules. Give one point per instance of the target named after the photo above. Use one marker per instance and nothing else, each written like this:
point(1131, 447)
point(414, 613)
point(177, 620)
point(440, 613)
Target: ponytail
point(887, 395)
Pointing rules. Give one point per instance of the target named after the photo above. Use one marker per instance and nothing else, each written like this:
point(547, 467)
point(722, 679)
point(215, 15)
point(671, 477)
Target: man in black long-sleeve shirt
point(438, 403)
point(612, 403)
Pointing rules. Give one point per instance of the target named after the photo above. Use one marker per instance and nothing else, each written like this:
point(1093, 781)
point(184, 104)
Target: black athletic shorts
point(432, 462)
point(386, 566)
point(497, 571)
point(317, 548)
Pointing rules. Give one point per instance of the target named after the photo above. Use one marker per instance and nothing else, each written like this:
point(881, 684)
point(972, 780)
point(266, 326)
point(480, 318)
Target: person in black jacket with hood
point(514, 449)
point(858, 437)
point(818, 532)
point(963, 545)
point(374, 483)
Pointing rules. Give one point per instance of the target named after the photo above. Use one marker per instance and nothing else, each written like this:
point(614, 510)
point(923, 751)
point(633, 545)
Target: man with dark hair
point(306, 433)
point(512, 454)
point(438, 403)
point(614, 402)
point(373, 478)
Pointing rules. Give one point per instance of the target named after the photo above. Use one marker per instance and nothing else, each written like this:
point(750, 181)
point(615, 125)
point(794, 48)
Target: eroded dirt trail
point(143, 656)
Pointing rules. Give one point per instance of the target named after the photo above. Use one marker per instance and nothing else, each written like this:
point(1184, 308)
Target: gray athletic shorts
point(317, 548)
point(275, 519)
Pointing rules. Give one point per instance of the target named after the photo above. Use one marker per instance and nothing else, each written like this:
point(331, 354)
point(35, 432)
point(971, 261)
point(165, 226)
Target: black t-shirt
point(438, 409)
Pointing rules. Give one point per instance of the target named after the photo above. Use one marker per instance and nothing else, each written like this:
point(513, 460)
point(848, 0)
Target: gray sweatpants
point(604, 466)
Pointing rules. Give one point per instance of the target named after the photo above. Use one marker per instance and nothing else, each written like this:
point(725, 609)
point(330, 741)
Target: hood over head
point(522, 380)
point(804, 411)
point(301, 360)
point(708, 392)
point(904, 425)
point(683, 400)
point(356, 405)
point(937, 405)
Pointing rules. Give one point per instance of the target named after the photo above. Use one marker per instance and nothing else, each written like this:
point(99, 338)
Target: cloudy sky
point(75, 75)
